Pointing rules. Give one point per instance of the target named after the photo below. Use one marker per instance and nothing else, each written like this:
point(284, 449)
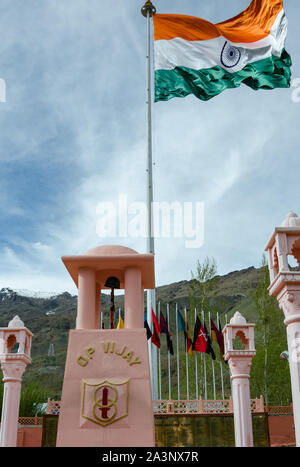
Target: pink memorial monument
point(240, 363)
point(285, 285)
point(106, 395)
point(13, 365)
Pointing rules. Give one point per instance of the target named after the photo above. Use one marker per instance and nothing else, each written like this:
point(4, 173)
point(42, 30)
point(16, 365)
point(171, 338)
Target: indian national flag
point(193, 56)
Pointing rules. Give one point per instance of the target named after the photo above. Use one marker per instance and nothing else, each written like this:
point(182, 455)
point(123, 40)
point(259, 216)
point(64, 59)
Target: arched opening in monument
point(112, 283)
point(240, 342)
point(12, 344)
point(295, 257)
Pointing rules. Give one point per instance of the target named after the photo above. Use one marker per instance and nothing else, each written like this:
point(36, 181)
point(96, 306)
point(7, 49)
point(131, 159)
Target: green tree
point(202, 290)
point(204, 284)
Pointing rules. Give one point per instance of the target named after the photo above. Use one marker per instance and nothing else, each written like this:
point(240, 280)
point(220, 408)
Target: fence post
point(261, 404)
point(170, 407)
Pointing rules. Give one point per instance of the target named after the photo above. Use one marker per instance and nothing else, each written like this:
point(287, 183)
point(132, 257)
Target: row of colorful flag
point(202, 338)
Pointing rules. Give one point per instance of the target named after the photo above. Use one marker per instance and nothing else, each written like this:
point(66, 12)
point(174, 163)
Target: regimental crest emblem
point(105, 402)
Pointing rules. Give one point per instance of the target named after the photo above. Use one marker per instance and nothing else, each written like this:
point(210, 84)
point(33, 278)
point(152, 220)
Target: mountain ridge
point(9, 292)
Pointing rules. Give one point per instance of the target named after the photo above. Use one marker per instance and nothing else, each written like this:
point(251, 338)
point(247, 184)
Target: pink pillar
point(133, 308)
point(86, 299)
point(142, 302)
point(289, 302)
point(11, 401)
point(13, 366)
point(97, 306)
point(240, 374)
point(240, 363)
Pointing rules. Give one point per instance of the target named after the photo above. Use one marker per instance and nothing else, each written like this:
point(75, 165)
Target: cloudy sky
point(73, 135)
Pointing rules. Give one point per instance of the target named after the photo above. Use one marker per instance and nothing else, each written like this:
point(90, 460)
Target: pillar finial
point(291, 220)
point(238, 319)
point(16, 322)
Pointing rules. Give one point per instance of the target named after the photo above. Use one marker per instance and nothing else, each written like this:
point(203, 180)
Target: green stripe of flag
point(269, 73)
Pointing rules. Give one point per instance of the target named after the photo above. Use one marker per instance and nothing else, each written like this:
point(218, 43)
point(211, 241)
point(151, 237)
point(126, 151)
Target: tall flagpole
point(204, 361)
point(196, 364)
point(169, 361)
point(147, 11)
point(177, 348)
point(221, 367)
point(159, 359)
point(229, 378)
point(212, 362)
point(186, 361)
point(159, 370)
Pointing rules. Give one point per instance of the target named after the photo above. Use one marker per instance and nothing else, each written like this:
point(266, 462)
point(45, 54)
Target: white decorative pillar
point(240, 363)
point(13, 366)
point(285, 285)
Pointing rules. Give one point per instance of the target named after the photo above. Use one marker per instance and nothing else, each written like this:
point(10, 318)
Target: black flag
point(209, 348)
point(146, 325)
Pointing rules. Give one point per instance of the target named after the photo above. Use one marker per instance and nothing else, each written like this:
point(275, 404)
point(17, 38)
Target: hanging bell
point(112, 282)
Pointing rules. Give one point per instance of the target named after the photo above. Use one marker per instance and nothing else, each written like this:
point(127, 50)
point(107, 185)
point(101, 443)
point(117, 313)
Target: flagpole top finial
point(148, 8)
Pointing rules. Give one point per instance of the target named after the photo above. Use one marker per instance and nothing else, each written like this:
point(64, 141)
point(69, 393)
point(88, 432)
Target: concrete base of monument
point(106, 396)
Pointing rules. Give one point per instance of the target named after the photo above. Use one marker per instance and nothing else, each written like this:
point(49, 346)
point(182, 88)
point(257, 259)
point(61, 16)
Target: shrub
point(33, 396)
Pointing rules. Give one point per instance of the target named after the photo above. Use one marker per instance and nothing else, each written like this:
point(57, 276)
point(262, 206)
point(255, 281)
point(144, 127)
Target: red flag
point(156, 330)
point(200, 344)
